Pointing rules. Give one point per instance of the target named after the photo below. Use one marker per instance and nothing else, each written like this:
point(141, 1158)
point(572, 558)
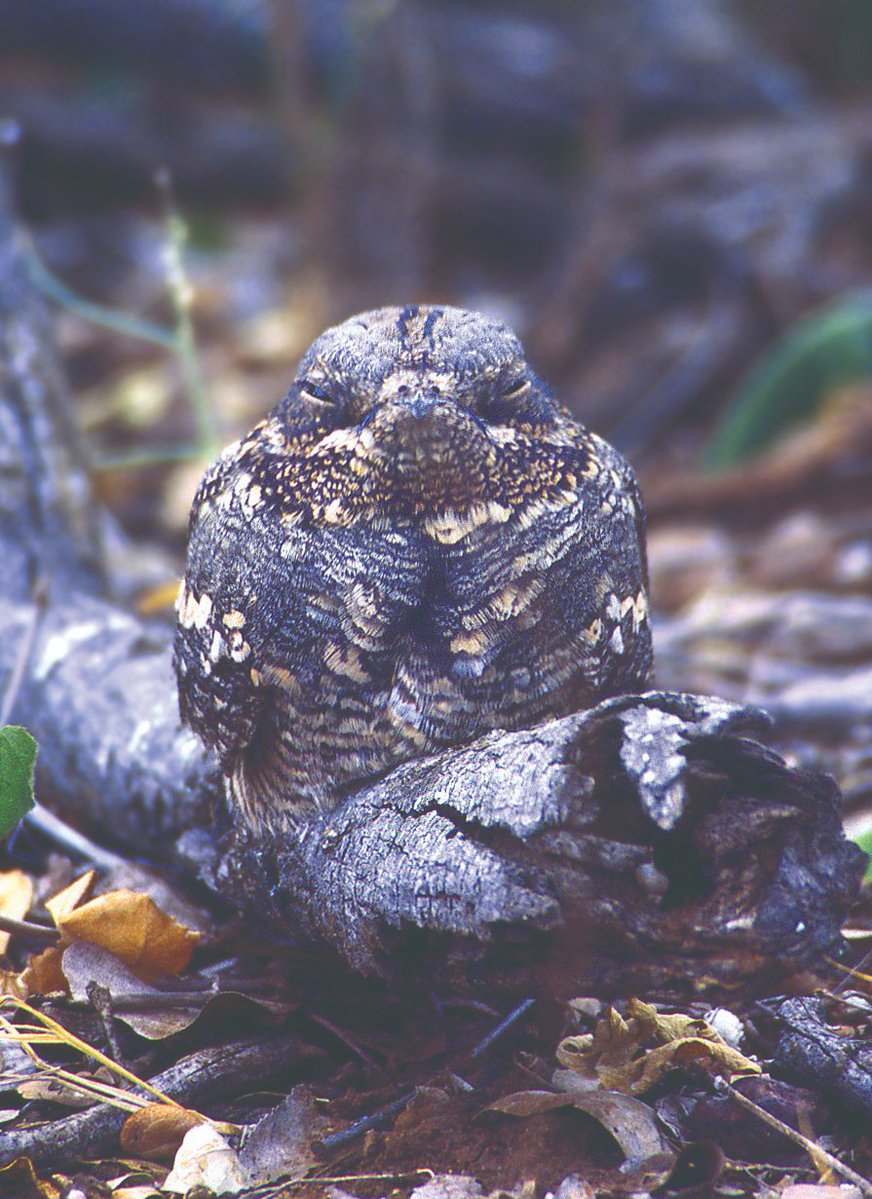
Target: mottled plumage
point(417, 545)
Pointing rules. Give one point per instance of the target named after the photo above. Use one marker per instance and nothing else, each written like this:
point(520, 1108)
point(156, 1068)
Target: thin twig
point(346, 1040)
point(158, 455)
point(25, 648)
point(338, 1140)
point(178, 340)
point(424, 1172)
point(504, 1025)
point(31, 934)
point(100, 999)
point(108, 318)
point(70, 839)
point(390, 1111)
point(812, 1148)
point(200, 1077)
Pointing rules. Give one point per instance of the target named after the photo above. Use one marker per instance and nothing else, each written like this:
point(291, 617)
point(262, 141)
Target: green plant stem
point(181, 296)
point(108, 318)
point(155, 456)
point(178, 341)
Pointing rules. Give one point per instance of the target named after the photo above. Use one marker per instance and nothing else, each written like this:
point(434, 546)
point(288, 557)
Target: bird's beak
point(419, 404)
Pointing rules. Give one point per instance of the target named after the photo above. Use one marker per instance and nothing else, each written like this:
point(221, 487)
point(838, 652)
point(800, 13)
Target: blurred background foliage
point(672, 202)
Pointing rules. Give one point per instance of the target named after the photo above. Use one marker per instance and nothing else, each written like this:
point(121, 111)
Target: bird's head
point(413, 410)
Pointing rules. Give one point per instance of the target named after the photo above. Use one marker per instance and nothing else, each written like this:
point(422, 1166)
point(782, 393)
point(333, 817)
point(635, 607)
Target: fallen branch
point(227, 1070)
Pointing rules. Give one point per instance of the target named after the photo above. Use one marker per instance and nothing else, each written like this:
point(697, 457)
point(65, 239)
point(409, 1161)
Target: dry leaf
point(205, 1159)
point(613, 1041)
point(575, 1187)
point(449, 1186)
point(133, 927)
point(53, 1090)
point(620, 1056)
point(65, 901)
point(43, 974)
point(153, 1012)
point(156, 1132)
point(632, 1123)
point(573, 1081)
point(714, 1056)
point(280, 1144)
point(667, 1026)
point(529, 1103)
point(150, 1012)
point(16, 896)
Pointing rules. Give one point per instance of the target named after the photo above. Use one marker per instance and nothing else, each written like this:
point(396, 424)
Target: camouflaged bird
point(417, 545)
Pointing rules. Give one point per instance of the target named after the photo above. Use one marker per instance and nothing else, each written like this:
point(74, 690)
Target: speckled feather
point(417, 545)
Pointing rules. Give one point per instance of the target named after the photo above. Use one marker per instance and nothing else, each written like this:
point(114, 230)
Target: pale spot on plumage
point(451, 526)
point(640, 609)
point(193, 613)
point(346, 661)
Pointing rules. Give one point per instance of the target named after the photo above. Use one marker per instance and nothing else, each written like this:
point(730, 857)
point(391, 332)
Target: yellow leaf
point(16, 896)
point(156, 1131)
point(714, 1056)
point(667, 1026)
point(614, 1041)
point(133, 927)
point(43, 974)
point(65, 901)
point(621, 1056)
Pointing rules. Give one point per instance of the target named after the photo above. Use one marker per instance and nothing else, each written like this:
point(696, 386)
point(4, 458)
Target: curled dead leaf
point(153, 1012)
point(281, 1143)
point(712, 1056)
point(66, 901)
point(133, 927)
point(43, 974)
point(620, 1056)
point(19, 1179)
point(156, 1132)
point(632, 1123)
point(205, 1159)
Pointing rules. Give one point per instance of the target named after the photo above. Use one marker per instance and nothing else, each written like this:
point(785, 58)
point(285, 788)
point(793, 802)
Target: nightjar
point(417, 545)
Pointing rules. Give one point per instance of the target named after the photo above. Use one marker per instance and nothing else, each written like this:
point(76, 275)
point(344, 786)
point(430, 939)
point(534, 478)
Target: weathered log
point(647, 843)
point(651, 843)
point(814, 1053)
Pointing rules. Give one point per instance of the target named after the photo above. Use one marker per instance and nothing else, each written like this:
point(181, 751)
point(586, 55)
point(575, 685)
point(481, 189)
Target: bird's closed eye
point(314, 391)
point(516, 388)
